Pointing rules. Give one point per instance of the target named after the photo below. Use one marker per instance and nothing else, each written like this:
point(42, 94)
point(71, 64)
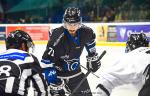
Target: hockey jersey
point(17, 68)
point(64, 50)
point(131, 68)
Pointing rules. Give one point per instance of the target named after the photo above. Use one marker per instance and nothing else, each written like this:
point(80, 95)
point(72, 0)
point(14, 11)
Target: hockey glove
point(59, 89)
point(50, 75)
point(93, 62)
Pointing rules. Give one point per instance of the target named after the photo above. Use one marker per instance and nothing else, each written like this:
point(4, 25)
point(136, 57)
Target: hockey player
point(17, 67)
point(62, 55)
point(131, 68)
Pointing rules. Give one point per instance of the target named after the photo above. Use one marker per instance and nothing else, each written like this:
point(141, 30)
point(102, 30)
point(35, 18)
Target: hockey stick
point(103, 53)
point(87, 69)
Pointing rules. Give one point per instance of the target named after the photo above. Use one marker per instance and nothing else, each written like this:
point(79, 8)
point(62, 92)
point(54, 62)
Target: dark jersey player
point(61, 58)
point(18, 67)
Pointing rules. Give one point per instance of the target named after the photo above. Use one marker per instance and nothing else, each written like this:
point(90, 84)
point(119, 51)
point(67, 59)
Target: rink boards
point(107, 34)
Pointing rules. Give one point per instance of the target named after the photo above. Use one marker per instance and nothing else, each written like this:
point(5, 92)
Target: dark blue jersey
point(64, 50)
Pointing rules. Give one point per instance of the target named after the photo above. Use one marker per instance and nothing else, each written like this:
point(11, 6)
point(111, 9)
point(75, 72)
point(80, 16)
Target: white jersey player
point(131, 68)
point(18, 67)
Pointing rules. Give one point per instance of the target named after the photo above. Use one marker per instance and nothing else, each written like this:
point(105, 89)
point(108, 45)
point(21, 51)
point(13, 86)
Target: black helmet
point(16, 38)
point(136, 40)
point(72, 15)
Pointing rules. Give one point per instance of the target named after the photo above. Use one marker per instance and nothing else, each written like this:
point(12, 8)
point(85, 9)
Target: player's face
point(72, 27)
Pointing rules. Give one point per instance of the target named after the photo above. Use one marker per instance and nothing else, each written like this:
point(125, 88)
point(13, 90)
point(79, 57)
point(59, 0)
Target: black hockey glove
point(59, 89)
point(93, 62)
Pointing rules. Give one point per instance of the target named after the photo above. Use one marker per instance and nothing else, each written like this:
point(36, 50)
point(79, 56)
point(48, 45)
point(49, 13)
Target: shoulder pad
point(58, 29)
point(86, 28)
point(56, 36)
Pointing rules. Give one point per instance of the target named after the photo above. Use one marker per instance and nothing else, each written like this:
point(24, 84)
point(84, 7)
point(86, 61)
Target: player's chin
point(72, 31)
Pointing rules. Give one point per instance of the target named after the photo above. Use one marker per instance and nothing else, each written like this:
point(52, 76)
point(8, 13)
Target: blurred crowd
point(92, 11)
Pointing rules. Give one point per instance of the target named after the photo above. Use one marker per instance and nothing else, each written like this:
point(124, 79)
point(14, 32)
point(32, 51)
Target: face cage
point(65, 24)
point(130, 47)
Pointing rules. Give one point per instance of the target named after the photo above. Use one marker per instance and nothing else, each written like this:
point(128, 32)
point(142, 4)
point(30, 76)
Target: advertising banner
point(101, 33)
point(2, 32)
point(123, 31)
point(112, 35)
point(36, 32)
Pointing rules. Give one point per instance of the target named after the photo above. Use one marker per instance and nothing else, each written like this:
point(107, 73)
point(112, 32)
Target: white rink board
point(111, 56)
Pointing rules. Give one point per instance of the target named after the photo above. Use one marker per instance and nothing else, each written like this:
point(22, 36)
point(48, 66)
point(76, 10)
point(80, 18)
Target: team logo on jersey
point(9, 69)
point(72, 64)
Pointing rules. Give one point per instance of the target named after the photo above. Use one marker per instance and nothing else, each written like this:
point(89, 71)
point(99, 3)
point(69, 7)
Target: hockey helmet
point(136, 40)
point(16, 38)
point(72, 15)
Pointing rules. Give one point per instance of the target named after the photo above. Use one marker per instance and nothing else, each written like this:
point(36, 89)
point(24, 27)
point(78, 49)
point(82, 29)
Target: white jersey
point(128, 69)
point(17, 68)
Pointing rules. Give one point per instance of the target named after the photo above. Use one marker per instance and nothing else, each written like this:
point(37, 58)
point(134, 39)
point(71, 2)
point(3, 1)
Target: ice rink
point(112, 54)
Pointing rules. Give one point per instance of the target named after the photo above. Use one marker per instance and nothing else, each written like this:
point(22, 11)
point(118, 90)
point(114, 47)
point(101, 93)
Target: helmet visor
point(72, 26)
point(31, 46)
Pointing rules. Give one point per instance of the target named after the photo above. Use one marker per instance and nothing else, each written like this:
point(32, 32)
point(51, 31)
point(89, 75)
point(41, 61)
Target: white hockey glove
point(102, 91)
point(59, 89)
point(93, 62)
